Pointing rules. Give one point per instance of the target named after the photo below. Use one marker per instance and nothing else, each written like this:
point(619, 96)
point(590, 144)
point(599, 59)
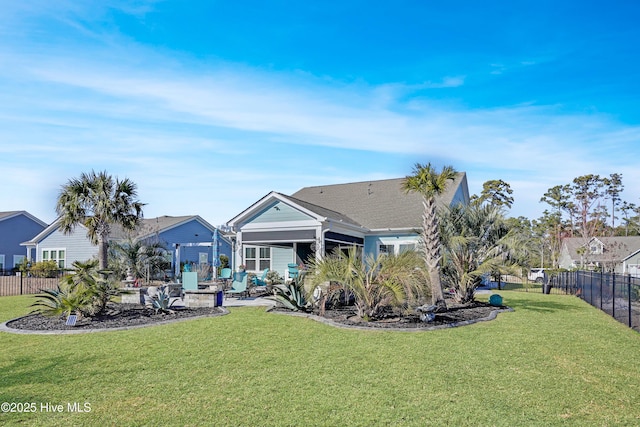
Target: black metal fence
point(616, 294)
point(24, 283)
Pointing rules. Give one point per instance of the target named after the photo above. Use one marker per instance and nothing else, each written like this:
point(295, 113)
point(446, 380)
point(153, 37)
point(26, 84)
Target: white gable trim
point(266, 201)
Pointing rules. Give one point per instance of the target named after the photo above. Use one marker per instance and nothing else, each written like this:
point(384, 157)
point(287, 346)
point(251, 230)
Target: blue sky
point(209, 105)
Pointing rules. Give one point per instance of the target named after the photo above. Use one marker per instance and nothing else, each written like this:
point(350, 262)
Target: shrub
point(85, 292)
point(376, 283)
point(44, 269)
point(62, 301)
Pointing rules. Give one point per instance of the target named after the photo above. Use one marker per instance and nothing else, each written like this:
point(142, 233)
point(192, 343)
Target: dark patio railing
point(616, 294)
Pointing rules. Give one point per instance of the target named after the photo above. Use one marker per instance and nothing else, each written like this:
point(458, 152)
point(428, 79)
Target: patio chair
point(190, 281)
point(225, 276)
point(262, 280)
point(239, 285)
point(293, 271)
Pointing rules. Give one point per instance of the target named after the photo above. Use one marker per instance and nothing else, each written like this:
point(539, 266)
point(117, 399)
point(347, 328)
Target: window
point(17, 259)
point(57, 255)
point(257, 258)
point(386, 250)
point(1, 262)
point(396, 248)
point(407, 247)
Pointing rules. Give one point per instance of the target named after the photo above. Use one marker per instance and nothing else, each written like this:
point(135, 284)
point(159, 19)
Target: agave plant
point(290, 296)
point(161, 301)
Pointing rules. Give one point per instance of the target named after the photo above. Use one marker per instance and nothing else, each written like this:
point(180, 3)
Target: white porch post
point(176, 267)
point(319, 243)
point(239, 258)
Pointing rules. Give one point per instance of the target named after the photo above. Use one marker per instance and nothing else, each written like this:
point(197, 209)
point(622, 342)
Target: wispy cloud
point(189, 129)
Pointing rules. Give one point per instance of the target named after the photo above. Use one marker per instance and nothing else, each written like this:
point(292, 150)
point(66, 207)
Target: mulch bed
point(117, 316)
point(128, 315)
point(456, 315)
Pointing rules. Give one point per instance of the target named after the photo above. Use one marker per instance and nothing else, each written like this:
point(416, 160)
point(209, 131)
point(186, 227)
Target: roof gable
point(292, 209)
point(147, 227)
point(10, 214)
point(613, 248)
point(279, 211)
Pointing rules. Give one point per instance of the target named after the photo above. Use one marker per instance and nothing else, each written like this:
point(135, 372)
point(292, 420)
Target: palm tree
point(375, 282)
point(141, 258)
point(426, 181)
point(477, 241)
point(98, 202)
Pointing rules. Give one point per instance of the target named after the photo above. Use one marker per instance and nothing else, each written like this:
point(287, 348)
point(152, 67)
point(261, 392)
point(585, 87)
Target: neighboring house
point(15, 228)
point(611, 254)
point(187, 239)
point(377, 216)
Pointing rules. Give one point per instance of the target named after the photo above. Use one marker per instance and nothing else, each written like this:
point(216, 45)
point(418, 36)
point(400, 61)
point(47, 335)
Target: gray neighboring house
point(15, 228)
point(611, 254)
point(191, 234)
point(377, 216)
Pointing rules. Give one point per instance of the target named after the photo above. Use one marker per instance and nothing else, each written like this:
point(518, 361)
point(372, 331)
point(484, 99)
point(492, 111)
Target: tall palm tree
point(98, 201)
point(426, 181)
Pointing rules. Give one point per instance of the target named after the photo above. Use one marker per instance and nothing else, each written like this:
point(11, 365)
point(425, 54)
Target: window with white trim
point(1, 262)
point(406, 247)
point(257, 258)
point(396, 248)
point(56, 255)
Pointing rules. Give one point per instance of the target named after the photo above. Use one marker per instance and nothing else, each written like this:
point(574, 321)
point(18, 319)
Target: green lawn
point(554, 361)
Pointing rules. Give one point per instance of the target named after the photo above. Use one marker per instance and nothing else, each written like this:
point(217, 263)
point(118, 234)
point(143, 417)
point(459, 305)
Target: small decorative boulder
point(427, 312)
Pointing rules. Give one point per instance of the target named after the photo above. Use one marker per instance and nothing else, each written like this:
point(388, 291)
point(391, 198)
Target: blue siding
point(76, 245)
point(279, 212)
point(192, 232)
point(14, 231)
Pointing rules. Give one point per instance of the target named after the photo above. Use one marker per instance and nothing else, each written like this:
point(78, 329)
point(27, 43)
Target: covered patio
point(279, 230)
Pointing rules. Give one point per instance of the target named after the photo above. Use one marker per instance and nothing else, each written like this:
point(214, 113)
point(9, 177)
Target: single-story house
point(15, 228)
point(188, 239)
point(617, 254)
point(378, 216)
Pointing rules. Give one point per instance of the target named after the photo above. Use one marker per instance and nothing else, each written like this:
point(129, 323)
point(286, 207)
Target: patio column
point(239, 256)
point(319, 252)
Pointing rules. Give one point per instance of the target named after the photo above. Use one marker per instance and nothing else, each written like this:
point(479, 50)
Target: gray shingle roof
point(8, 214)
point(375, 205)
point(149, 226)
point(322, 211)
point(615, 248)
